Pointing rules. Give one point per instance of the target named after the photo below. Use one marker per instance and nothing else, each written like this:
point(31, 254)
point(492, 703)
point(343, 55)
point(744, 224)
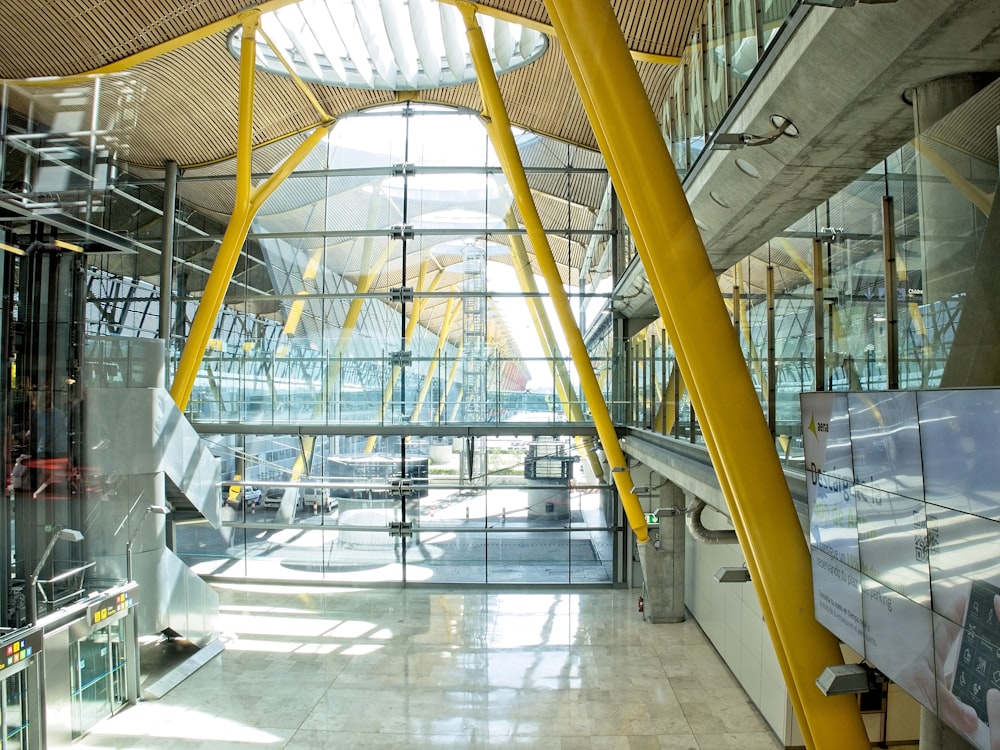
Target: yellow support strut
point(546, 337)
point(692, 391)
point(248, 203)
point(711, 363)
point(498, 129)
point(449, 318)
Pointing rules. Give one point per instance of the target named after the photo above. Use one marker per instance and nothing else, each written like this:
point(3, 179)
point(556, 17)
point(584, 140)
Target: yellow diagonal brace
point(546, 337)
point(744, 319)
point(452, 375)
point(546, 29)
point(502, 138)
point(248, 202)
point(411, 328)
point(664, 421)
point(449, 319)
point(727, 490)
point(711, 362)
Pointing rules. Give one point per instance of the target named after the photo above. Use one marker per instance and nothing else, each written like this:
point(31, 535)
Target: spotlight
point(842, 679)
point(732, 575)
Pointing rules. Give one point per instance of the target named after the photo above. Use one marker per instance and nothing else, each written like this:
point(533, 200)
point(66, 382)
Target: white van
point(318, 498)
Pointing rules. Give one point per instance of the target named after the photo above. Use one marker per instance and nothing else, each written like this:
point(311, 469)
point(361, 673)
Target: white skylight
point(399, 45)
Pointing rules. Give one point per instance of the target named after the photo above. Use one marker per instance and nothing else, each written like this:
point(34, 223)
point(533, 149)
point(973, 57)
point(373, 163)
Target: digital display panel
point(833, 522)
point(904, 500)
point(959, 434)
point(837, 600)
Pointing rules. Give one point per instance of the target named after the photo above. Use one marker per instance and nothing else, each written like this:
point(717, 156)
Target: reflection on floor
point(439, 668)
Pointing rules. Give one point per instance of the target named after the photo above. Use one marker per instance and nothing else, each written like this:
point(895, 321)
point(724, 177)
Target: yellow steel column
point(546, 336)
point(692, 389)
point(411, 327)
point(452, 375)
point(449, 318)
point(248, 202)
point(498, 128)
point(354, 312)
point(712, 364)
point(550, 347)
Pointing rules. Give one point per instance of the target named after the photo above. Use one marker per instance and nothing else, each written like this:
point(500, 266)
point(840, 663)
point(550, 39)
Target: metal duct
point(704, 534)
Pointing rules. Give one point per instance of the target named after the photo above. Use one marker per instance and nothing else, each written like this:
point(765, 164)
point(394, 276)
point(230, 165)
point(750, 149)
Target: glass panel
point(774, 14)
point(696, 96)
point(15, 711)
point(90, 682)
point(716, 68)
point(515, 555)
point(742, 42)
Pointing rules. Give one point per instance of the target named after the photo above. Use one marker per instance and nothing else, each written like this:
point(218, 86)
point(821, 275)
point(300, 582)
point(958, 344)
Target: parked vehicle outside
point(273, 496)
point(317, 498)
point(237, 496)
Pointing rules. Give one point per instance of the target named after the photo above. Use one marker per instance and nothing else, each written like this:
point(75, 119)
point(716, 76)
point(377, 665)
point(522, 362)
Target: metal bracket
point(401, 486)
point(401, 294)
point(402, 232)
point(402, 358)
point(401, 528)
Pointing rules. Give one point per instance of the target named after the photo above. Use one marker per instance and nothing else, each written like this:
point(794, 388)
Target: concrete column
point(936, 735)
point(949, 249)
point(663, 561)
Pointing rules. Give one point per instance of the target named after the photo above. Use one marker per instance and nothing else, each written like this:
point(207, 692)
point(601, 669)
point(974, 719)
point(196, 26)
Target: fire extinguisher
point(642, 604)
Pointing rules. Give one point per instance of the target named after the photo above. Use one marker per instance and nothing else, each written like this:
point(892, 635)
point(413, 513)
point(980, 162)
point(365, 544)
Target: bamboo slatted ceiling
point(186, 101)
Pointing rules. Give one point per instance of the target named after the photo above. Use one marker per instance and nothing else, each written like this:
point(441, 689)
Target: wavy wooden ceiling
point(183, 103)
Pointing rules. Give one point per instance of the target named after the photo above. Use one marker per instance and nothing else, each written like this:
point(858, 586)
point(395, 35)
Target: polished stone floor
point(445, 668)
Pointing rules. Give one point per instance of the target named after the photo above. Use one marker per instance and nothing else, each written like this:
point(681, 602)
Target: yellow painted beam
point(664, 422)
point(744, 319)
point(737, 435)
point(163, 48)
point(972, 193)
point(449, 318)
point(545, 28)
point(452, 374)
point(390, 383)
point(499, 130)
point(727, 490)
point(248, 201)
point(547, 338)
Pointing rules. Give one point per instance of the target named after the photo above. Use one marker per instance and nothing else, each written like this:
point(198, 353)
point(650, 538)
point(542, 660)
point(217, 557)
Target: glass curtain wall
point(410, 344)
point(386, 354)
point(847, 237)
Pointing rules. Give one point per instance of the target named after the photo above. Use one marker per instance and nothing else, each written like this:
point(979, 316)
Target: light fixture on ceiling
point(719, 199)
point(844, 3)
point(395, 45)
point(781, 125)
point(727, 574)
point(845, 679)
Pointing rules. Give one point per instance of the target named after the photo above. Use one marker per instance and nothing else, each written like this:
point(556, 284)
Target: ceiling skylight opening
point(396, 45)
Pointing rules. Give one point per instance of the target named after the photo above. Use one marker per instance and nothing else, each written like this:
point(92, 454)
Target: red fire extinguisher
point(642, 605)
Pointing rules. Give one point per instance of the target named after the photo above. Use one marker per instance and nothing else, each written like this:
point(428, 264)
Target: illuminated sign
point(111, 607)
point(18, 651)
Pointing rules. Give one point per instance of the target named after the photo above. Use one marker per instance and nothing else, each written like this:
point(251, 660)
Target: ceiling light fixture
point(781, 126)
point(843, 3)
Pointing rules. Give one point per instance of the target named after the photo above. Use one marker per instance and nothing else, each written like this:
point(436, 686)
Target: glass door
point(97, 677)
point(15, 712)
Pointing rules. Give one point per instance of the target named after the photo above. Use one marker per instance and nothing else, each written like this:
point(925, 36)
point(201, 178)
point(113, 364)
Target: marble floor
point(418, 668)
